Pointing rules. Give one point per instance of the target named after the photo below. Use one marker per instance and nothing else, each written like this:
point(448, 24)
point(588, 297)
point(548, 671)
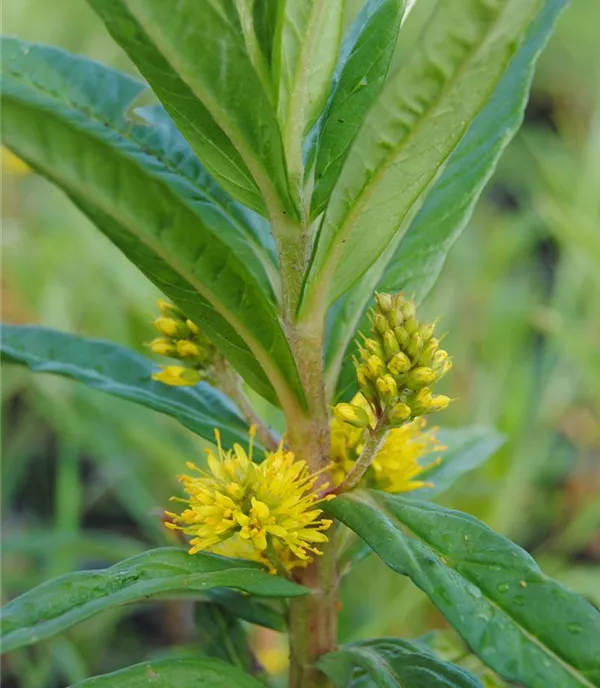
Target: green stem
point(361, 465)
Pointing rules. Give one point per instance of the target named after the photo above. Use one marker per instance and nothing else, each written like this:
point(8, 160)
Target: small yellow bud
point(399, 364)
point(385, 302)
point(171, 327)
point(395, 317)
point(399, 413)
point(374, 347)
point(420, 377)
point(390, 344)
point(375, 366)
point(163, 347)
point(438, 403)
point(415, 345)
point(187, 349)
point(177, 376)
point(411, 325)
point(194, 329)
point(353, 415)
point(168, 309)
point(380, 323)
point(409, 310)
point(387, 388)
point(402, 336)
point(427, 331)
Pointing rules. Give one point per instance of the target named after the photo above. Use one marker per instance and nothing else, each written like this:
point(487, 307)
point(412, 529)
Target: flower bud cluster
point(181, 339)
point(398, 366)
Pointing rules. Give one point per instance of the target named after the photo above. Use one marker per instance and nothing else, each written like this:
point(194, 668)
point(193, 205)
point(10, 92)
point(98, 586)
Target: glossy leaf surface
point(415, 124)
point(389, 663)
point(521, 623)
point(415, 264)
point(362, 67)
point(168, 572)
point(184, 672)
point(124, 373)
point(68, 118)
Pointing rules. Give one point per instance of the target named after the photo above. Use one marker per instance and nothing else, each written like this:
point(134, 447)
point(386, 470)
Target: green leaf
point(182, 672)
point(249, 608)
point(524, 625)
point(221, 635)
point(467, 448)
point(67, 117)
point(415, 124)
point(166, 573)
point(416, 263)
point(362, 67)
point(305, 52)
point(390, 663)
point(197, 63)
point(124, 373)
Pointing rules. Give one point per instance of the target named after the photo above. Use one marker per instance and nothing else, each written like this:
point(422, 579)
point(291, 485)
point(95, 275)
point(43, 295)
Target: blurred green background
point(85, 476)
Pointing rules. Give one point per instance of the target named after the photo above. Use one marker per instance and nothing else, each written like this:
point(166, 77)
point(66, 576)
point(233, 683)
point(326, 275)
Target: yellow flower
point(397, 463)
point(264, 512)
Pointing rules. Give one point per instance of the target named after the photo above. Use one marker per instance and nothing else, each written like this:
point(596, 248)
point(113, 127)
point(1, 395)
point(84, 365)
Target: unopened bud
point(402, 336)
point(168, 309)
point(390, 344)
point(427, 331)
point(171, 327)
point(387, 388)
point(437, 403)
point(353, 415)
point(420, 377)
point(395, 317)
point(177, 376)
point(408, 309)
point(380, 323)
point(163, 347)
point(399, 364)
point(194, 329)
point(384, 302)
point(188, 349)
point(399, 413)
point(374, 347)
point(411, 325)
point(375, 366)
point(415, 345)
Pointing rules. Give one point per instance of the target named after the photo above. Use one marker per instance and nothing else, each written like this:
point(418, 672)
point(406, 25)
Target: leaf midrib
point(190, 412)
point(176, 170)
point(370, 500)
point(348, 220)
point(283, 392)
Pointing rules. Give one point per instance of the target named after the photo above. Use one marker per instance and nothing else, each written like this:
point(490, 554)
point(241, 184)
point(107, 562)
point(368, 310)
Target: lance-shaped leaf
point(415, 264)
point(415, 124)
point(362, 67)
point(195, 119)
point(124, 373)
point(196, 61)
point(389, 663)
point(305, 52)
point(524, 625)
point(168, 572)
point(220, 634)
point(67, 117)
point(180, 672)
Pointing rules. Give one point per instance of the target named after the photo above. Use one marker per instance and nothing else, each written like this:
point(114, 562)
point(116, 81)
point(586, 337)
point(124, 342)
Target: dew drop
point(574, 628)
point(503, 587)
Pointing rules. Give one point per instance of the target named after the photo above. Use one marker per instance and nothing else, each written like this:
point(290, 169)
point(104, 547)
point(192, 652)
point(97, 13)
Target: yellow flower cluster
point(398, 461)
point(399, 364)
point(181, 339)
point(265, 512)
